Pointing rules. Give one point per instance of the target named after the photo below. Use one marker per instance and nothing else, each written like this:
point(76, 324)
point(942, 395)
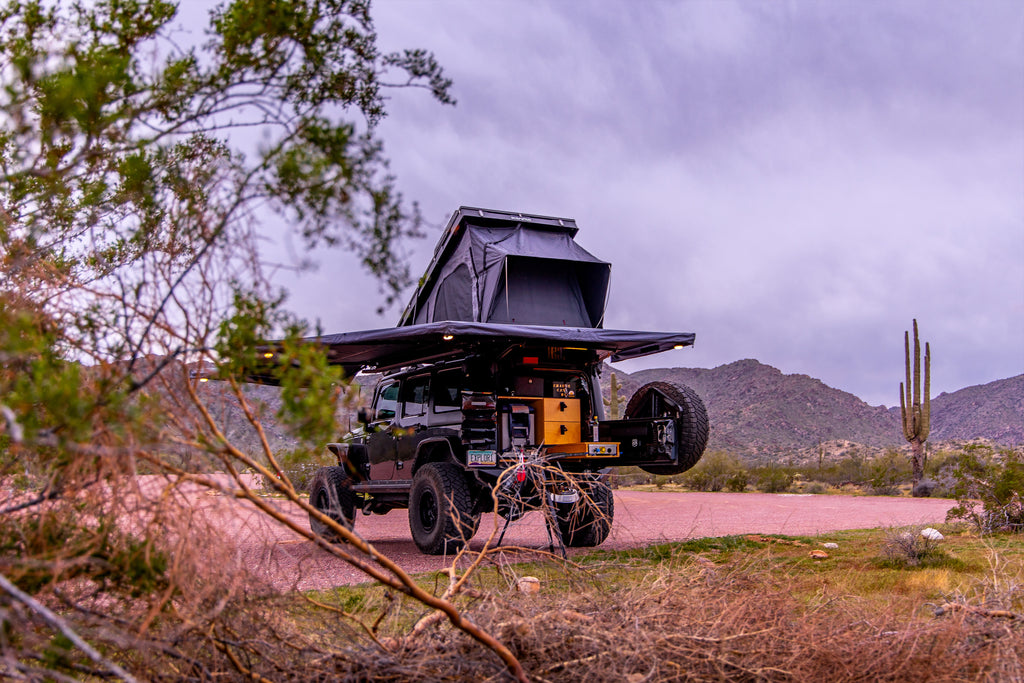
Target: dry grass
point(759, 610)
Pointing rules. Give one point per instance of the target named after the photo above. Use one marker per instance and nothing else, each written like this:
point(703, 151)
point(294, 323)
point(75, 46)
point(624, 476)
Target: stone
point(932, 534)
point(923, 488)
point(830, 546)
point(528, 585)
point(818, 555)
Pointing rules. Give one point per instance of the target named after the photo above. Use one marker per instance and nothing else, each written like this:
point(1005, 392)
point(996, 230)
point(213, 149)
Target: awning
point(396, 347)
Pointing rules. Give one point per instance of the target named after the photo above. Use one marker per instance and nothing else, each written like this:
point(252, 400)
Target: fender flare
point(351, 456)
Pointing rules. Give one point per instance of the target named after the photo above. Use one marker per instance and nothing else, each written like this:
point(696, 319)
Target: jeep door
point(380, 442)
point(410, 427)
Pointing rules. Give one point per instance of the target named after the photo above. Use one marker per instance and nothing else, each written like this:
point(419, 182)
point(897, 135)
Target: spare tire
point(680, 402)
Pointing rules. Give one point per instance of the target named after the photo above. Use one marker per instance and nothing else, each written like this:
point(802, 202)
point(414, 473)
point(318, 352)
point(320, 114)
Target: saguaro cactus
point(915, 413)
point(614, 399)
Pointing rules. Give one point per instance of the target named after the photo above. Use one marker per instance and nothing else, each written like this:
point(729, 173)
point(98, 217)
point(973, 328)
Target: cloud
point(792, 181)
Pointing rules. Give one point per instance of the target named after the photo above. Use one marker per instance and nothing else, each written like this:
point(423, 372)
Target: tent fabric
point(509, 268)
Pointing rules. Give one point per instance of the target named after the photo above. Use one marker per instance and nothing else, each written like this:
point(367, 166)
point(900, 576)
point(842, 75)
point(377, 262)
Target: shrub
point(909, 548)
point(887, 472)
point(853, 468)
point(716, 471)
point(737, 481)
point(990, 492)
point(773, 479)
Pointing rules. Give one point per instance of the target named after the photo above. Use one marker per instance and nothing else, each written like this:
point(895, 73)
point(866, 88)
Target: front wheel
point(588, 521)
point(331, 493)
point(440, 509)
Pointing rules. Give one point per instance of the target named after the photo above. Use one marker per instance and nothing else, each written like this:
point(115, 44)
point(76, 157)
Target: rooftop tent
point(498, 267)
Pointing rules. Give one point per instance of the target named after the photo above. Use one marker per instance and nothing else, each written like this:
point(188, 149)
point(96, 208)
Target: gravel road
point(641, 518)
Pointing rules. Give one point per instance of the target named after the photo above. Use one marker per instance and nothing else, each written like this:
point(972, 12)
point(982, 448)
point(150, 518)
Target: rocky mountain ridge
point(755, 409)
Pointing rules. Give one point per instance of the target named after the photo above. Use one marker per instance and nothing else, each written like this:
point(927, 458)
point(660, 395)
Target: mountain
point(755, 409)
point(992, 411)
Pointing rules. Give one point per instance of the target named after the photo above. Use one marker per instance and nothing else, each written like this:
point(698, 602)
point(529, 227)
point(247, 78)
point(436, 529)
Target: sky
point(794, 182)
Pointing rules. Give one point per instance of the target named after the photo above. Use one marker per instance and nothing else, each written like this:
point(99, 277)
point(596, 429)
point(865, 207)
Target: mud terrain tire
point(662, 399)
point(587, 522)
point(440, 509)
point(331, 493)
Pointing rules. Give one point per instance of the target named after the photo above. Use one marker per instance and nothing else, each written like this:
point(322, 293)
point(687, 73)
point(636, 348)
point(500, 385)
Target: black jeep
point(489, 398)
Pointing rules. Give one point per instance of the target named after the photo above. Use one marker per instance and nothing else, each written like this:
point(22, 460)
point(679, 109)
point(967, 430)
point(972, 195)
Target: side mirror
point(364, 415)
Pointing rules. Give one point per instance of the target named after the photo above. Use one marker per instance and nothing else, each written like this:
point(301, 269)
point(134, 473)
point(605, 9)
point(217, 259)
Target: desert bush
point(629, 476)
point(908, 547)
point(990, 492)
point(815, 487)
point(715, 471)
point(886, 472)
point(852, 468)
point(737, 481)
point(773, 478)
point(693, 619)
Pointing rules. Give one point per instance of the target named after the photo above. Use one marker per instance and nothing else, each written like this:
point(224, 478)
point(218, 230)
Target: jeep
point(488, 398)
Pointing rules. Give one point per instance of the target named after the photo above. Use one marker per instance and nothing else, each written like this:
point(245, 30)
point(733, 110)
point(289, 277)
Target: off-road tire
point(441, 509)
point(692, 427)
point(587, 522)
point(331, 493)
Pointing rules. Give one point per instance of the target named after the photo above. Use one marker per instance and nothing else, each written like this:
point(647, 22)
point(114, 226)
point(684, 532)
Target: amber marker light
point(448, 337)
point(268, 354)
point(678, 346)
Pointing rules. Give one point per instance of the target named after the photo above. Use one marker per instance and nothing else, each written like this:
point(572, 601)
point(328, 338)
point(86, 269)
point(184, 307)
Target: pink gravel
point(641, 519)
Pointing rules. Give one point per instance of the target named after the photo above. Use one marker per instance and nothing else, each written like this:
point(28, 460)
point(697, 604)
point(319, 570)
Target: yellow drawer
point(560, 410)
point(553, 432)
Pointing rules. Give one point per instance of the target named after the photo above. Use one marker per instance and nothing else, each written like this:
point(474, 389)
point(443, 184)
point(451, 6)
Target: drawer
point(560, 410)
point(553, 432)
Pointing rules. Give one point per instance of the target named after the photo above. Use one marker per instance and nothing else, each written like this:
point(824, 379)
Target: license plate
point(481, 458)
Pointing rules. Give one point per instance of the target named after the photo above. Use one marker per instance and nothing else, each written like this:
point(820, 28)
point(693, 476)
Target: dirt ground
point(641, 518)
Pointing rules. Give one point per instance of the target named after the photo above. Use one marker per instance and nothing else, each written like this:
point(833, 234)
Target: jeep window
point(448, 391)
point(387, 401)
point(414, 395)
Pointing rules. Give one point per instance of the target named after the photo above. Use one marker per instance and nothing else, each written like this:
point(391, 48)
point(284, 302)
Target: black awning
point(428, 342)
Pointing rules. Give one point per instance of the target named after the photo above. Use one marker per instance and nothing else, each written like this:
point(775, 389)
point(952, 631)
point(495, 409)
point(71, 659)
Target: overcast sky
point(792, 181)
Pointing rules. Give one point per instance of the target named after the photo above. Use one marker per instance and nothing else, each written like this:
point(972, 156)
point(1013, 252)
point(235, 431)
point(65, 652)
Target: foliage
point(140, 162)
point(990, 492)
point(715, 471)
point(773, 478)
point(910, 548)
point(679, 611)
point(887, 472)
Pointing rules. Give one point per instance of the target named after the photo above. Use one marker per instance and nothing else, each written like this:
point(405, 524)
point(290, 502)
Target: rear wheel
point(440, 509)
point(680, 402)
point(331, 493)
point(588, 521)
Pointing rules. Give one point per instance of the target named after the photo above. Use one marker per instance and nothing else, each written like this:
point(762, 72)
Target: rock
point(818, 555)
point(830, 546)
point(932, 534)
point(528, 585)
point(923, 488)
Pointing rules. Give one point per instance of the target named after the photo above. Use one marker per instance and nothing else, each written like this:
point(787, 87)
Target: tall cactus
point(614, 399)
point(915, 414)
